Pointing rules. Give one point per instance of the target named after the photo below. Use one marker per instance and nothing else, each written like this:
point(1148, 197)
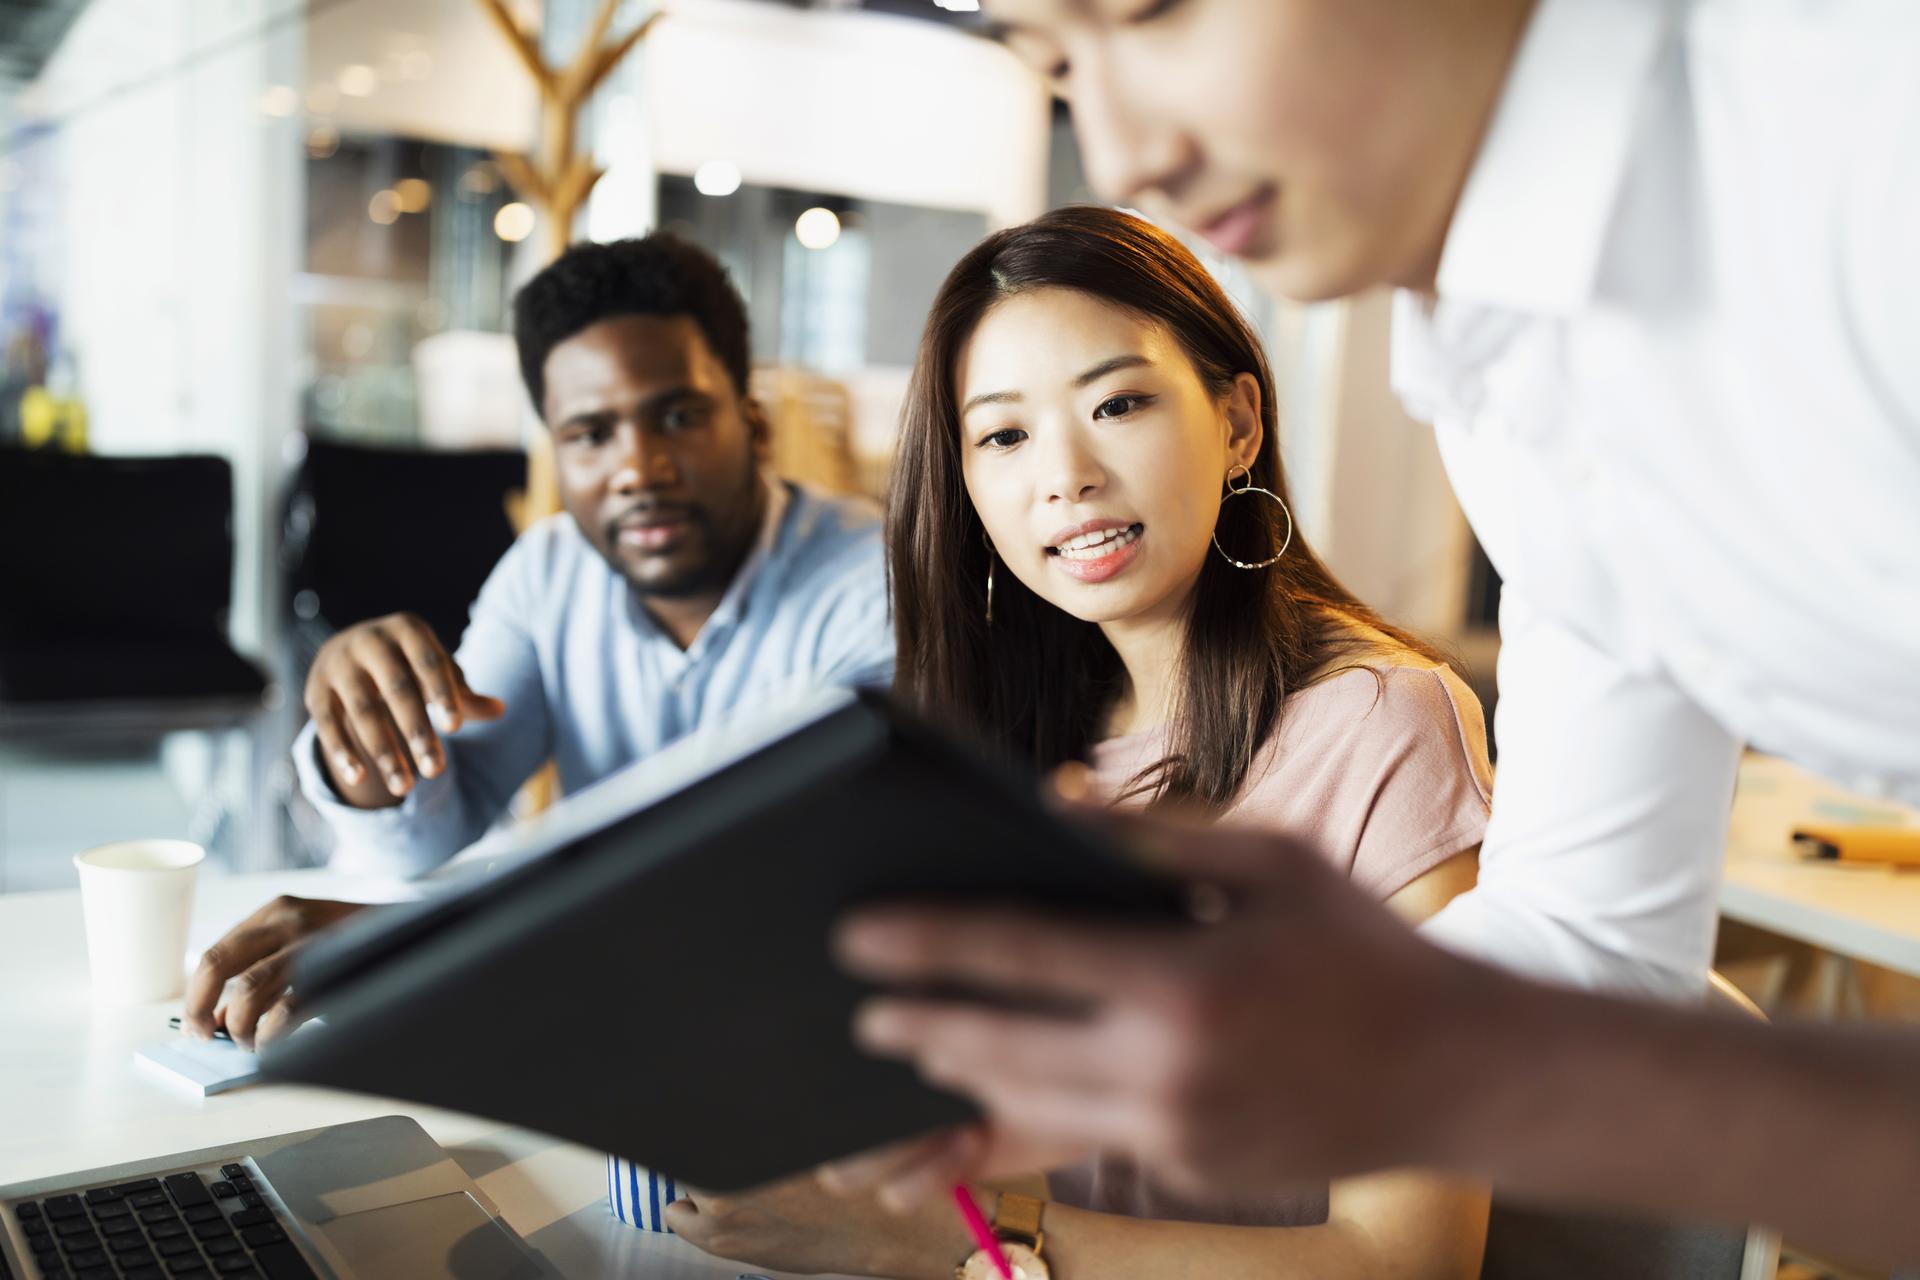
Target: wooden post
point(557, 181)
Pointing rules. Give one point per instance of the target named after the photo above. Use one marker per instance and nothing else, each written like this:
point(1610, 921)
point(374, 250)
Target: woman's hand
point(798, 1225)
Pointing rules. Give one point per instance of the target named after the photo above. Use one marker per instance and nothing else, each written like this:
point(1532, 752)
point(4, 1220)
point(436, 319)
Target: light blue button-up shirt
point(593, 683)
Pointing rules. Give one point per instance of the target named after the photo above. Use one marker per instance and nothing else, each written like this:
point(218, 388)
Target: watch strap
point(1017, 1217)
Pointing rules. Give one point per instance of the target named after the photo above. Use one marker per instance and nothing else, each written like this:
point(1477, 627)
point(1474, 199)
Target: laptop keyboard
point(156, 1228)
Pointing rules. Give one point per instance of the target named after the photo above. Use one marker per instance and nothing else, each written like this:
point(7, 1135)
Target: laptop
point(372, 1198)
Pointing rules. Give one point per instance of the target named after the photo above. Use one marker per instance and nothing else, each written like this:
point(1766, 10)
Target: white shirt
point(1675, 373)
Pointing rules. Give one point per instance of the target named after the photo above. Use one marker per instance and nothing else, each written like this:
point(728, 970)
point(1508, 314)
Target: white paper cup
point(137, 896)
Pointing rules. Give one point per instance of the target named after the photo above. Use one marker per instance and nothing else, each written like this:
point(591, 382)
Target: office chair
point(372, 531)
point(367, 531)
point(117, 575)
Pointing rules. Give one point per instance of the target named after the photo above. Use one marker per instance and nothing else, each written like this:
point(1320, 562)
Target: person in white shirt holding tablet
point(1657, 265)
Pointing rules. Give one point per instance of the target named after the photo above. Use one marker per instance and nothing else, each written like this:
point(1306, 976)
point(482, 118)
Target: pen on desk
point(1892, 846)
point(217, 1035)
point(982, 1233)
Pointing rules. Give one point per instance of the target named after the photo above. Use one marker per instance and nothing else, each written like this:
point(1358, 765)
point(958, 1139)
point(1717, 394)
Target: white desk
point(1863, 913)
point(72, 1098)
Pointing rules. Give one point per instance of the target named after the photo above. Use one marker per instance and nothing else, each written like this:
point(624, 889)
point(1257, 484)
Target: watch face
point(1026, 1264)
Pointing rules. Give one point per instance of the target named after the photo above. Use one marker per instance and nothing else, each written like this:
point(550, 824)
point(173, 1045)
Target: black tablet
point(648, 972)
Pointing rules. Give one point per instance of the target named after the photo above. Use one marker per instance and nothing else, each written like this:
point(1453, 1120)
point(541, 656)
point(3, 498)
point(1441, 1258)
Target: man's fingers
point(257, 989)
point(958, 1045)
point(1008, 949)
point(343, 757)
point(452, 699)
point(247, 944)
point(1036, 1127)
point(436, 675)
point(392, 668)
point(477, 706)
point(373, 728)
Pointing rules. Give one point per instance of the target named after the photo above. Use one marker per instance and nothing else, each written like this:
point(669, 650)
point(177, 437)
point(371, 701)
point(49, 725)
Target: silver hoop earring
point(1248, 486)
point(990, 563)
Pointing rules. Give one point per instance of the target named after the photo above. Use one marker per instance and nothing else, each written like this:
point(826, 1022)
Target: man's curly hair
point(655, 275)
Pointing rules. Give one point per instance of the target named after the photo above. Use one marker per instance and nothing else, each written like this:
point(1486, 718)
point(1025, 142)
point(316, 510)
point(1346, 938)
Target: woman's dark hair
point(1037, 682)
point(656, 275)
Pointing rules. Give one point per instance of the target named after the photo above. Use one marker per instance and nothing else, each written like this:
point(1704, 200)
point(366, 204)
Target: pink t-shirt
point(1384, 776)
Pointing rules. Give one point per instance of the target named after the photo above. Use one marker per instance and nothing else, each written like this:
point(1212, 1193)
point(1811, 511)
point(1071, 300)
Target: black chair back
point(90, 546)
point(372, 531)
point(116, 575)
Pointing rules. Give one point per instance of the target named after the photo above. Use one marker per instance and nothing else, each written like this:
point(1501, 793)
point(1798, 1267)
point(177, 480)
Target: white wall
point(858, 104)
point(182, 221)
point(469, 90)
point(1392, 529)
point(9, 167)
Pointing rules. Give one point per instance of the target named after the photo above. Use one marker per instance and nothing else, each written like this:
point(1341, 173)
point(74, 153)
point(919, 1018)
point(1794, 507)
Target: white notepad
point(206, 1067)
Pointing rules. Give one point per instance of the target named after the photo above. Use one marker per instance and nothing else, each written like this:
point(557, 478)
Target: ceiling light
point(357, 80)
point(414, 193)
point(817, 228)
point(717, 178)
point(513, 223)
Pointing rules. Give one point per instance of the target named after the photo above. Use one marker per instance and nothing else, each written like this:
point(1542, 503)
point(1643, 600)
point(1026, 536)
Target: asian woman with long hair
point(1093, 559)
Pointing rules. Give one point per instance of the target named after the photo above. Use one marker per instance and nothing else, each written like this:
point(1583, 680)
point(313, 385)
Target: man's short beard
point(717, 574)
point(694, 582)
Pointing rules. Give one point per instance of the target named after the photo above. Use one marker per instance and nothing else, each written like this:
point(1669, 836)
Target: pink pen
point(982, 1233)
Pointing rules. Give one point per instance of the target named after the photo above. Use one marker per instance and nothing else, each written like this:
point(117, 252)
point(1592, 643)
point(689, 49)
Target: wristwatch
point(1016, 1225)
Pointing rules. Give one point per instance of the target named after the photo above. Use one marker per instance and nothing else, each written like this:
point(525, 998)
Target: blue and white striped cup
point(638, 1195)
